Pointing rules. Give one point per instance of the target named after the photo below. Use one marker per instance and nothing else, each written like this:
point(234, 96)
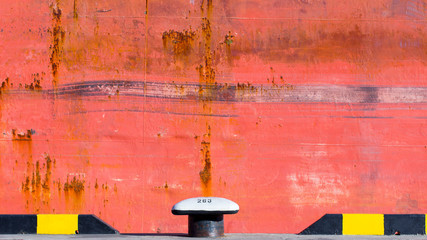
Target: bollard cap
point(206, 206)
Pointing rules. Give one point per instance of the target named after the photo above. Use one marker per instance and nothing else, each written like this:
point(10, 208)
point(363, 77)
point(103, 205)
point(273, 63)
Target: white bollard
point(205, 215)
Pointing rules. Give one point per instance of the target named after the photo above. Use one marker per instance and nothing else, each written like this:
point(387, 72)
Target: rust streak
point(75, 13)
point(48, 174)
point(179, 43)
point(21, 135)
point(76, 185)
point(228, 40)
point(58, 36)
point(35, 188)
point(4, 85)
point(36, 84)
point(207, 80)
point(205, 174)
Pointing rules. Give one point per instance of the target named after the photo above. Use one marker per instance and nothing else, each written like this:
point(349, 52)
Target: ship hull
point(292, 109)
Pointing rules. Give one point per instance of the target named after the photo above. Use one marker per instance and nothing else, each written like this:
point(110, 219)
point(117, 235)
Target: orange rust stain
point(36, 84)
point(48, 174)
point(248, 86)
point(206, 80)
point(228, 40)
point(205, 174)
point(4, 85)
point(26, 184)
point(165, 186)
point(209, 7)
point(59, 186)
point(75, 13)
point(40, 192)
point(76, 185)
point(180, 44)
point(279, 82)
point(35, 188)
point(206, 70)
point(38, 178)
point(357, 43)
point(21, 135)
point(74, 194)
point(146, 7)
point(58, 36)
point(86, 52)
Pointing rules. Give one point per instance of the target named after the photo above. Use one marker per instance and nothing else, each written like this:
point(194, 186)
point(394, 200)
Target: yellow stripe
point(363, 224)
point(57, 223)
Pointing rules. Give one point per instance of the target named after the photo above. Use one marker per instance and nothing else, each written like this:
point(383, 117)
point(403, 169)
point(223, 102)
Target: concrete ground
point(234, 236)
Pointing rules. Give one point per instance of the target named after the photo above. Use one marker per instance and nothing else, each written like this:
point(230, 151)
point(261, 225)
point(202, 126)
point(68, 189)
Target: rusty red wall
point(292, 109)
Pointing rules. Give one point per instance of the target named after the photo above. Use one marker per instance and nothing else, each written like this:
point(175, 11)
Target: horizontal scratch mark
point(269, 18)
point(150, 111)
point(337, 94)
point(103, 10)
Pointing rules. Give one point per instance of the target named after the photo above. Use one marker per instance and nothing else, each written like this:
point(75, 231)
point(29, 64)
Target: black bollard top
point(205, 206)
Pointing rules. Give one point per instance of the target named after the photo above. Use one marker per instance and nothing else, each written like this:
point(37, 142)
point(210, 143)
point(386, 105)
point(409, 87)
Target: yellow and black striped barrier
point(54, 224)
point(368, 224)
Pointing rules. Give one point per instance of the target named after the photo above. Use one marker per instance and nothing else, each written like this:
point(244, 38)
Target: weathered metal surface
point(293, 109)
point(206, 225)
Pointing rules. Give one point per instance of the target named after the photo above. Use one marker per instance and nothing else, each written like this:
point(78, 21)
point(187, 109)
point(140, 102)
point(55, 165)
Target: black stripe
point(90, 224)
point(404, 224)
point(329, 224)
point(18, 224)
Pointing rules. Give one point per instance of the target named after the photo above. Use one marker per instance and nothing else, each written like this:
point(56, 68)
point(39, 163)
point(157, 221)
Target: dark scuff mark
point(104, 10)
point(366, 117)
point(414, 10)
point(58, 36)
point(278, 90)
point(168, 112)
point(370, 93)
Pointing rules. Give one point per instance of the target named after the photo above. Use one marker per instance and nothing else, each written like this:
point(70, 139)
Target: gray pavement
point(232, 236)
